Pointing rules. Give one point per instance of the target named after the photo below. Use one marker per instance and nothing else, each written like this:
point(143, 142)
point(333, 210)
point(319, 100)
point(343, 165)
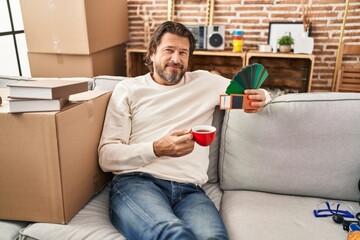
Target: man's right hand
point(178, 143)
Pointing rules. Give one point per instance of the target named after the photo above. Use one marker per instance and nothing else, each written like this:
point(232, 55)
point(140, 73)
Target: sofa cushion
point(214, 192)
point(92, 222)
point(302, 144)
point(214, 147)
point(5, 80)
point(106, 83)
point(10, 229)
point(255, 215)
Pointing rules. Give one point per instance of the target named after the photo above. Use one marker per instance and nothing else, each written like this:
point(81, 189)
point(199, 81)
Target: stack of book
point(42, 95)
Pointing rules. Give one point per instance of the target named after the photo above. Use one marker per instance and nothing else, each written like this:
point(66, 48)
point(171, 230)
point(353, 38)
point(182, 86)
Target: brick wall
point(253, 16)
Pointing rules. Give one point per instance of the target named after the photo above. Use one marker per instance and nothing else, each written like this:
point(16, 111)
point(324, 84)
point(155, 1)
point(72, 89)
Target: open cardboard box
point(49, 162)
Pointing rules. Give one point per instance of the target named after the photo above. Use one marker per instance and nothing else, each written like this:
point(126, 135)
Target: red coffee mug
point(204, 135)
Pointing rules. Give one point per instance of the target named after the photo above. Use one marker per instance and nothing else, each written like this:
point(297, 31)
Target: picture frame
point(279, 29)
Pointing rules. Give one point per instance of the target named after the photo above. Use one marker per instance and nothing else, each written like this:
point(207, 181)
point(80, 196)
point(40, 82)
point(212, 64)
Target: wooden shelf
point(286, 70)
point(135, 62)
point(227, 63)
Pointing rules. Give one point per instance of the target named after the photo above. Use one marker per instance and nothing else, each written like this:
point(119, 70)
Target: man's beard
point(173, 75)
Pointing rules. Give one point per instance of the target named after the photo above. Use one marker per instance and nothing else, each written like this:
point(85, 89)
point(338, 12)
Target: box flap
point(85, 96)
point(79, 131)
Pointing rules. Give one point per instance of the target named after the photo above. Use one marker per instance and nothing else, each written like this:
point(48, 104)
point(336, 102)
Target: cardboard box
point(74, 26)
point(49, 163)
point(110, 61)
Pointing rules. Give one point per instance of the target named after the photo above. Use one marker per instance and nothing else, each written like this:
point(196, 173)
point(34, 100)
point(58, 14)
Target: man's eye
point(184, 53)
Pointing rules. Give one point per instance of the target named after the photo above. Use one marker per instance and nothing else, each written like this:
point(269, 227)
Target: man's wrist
point(155, 150)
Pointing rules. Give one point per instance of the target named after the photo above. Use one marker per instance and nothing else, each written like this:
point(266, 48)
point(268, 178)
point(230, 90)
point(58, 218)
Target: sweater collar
point(160, 86)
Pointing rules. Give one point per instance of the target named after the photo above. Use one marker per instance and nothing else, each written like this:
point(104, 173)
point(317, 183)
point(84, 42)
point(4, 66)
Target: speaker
point(199, 33)
point(216, 37)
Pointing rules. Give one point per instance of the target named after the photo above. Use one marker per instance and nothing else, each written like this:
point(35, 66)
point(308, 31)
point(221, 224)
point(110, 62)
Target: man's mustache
point(177, 65)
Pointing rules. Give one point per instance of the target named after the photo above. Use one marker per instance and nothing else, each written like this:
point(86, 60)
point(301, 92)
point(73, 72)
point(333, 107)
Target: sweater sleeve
point(115, 152)
point(267, 95)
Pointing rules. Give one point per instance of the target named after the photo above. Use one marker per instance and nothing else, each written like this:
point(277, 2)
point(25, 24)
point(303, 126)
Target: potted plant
point(285, 43)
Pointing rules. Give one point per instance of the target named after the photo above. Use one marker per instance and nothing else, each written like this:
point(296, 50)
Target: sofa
point(268, 171)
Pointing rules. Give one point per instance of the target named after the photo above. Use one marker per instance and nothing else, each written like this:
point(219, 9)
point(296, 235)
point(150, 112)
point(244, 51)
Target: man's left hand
point(257, 98)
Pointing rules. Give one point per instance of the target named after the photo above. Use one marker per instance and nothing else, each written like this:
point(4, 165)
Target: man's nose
point(175, 57)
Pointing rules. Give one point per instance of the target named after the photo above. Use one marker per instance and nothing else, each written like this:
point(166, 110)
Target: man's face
point(171, 58)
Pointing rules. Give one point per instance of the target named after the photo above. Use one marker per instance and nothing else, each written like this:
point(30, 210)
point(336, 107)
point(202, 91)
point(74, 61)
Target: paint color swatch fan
point(249, 77)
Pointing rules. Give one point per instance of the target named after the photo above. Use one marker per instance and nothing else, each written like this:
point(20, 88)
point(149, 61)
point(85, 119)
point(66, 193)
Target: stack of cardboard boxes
point(75, 38)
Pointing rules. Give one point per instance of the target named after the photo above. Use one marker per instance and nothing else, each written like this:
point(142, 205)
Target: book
point(235, 101)
point(46, 89)
point(20, 105)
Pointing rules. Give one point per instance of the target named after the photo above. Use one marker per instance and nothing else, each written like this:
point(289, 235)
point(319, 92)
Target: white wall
point(8, 62)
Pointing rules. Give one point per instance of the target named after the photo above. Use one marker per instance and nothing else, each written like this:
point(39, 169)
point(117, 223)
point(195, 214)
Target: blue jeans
point(143, 207)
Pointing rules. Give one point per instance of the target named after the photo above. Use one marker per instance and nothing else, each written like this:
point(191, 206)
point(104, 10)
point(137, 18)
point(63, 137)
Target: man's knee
point(171, 229)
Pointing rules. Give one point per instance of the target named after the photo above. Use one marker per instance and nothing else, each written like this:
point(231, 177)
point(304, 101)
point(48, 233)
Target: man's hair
point(168, 27)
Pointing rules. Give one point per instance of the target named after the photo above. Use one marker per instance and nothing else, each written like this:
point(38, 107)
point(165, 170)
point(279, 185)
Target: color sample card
point(235, 101)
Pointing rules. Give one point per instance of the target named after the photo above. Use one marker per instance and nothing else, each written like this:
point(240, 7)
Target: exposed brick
point(261, 2)
point(327, 2)
point(253, 16)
